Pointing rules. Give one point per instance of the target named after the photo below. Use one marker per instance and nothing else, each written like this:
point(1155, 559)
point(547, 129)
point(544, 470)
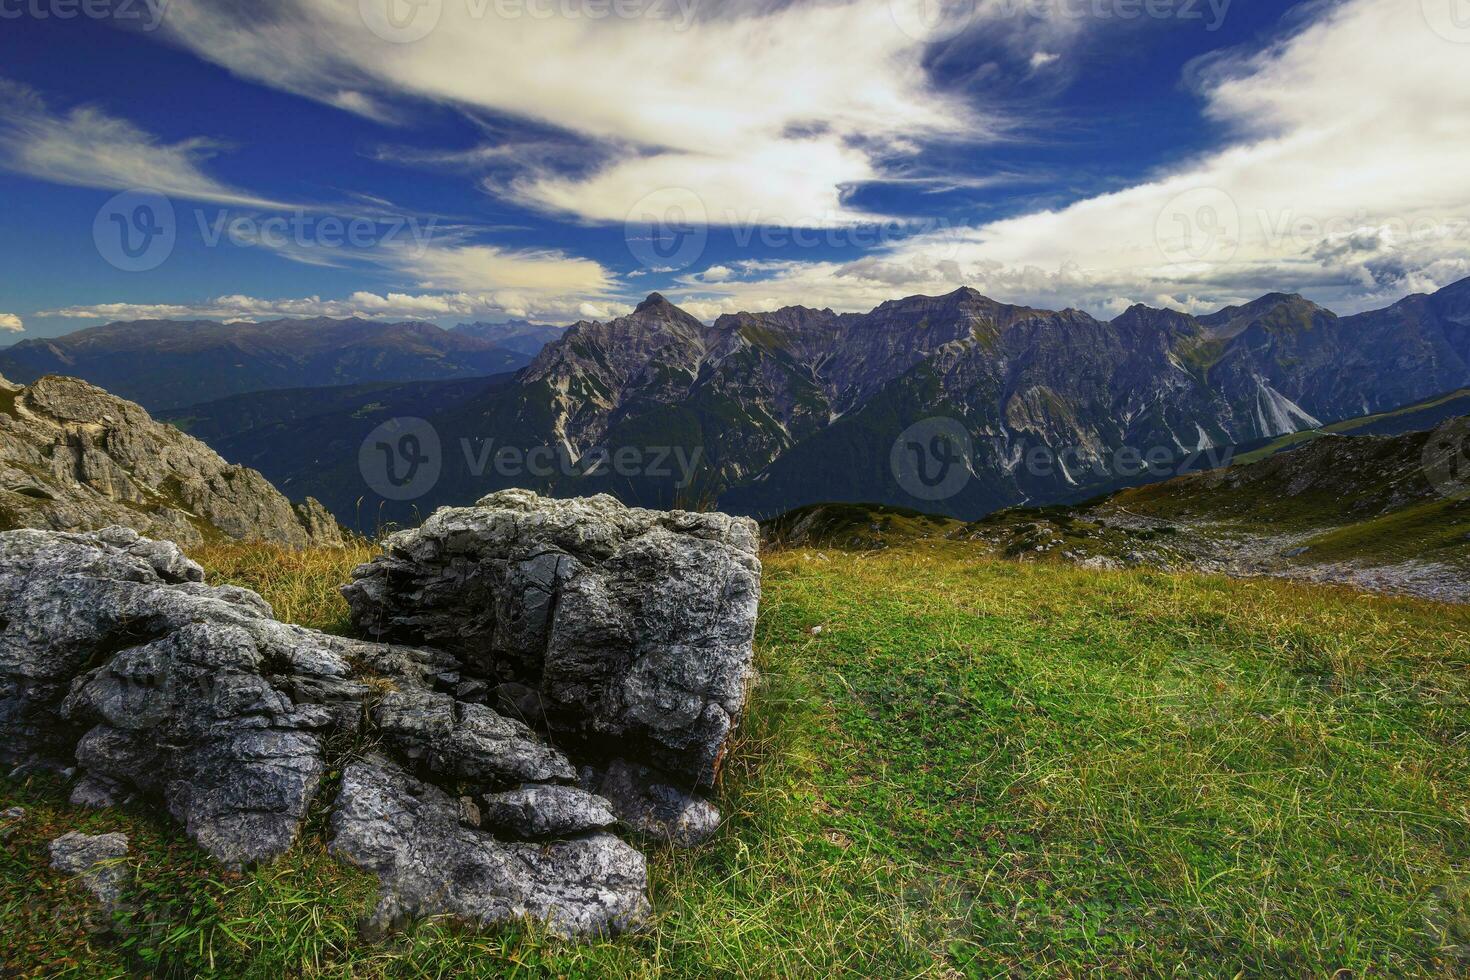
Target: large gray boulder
point(75, 458)
point(117, 658)
point(622, 632)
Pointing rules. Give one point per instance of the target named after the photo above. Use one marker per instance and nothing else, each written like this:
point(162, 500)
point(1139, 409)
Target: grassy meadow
point(953, 766)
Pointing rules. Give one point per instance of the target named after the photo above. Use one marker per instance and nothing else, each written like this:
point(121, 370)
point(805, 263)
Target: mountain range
point(801, 405)
point(763, 412)
point(162, 364)
point(521, 336)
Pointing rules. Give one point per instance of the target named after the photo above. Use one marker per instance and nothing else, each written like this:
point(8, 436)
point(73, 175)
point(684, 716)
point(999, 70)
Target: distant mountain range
point(521, 336)
point(804, 405)
point(161, 364)
point(763, 412)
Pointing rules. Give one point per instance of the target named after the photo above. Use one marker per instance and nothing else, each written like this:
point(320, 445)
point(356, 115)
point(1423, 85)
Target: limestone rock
point(626, 632)
point(536, 812)
point(411, 836)
point(114, 652)
point(75, 458)
point(467, 742)
point(97, 861)
point(648, 803)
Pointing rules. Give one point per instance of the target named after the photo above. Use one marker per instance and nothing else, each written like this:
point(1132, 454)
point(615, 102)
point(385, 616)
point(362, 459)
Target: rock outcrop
point(622, 632)
point(75, 458)
point(115, 654)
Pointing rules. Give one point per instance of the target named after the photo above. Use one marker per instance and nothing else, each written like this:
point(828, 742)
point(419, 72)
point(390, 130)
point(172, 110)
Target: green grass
point(975, 767)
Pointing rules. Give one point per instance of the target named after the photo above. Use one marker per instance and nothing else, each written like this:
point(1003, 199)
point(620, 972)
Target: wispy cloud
point(87, 147)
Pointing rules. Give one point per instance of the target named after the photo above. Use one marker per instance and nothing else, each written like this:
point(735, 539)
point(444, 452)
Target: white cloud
point(1043, 58)
point(1344, 179)
point(86, 147)
point(388, 306)
point(10, 323)
point(770, 109)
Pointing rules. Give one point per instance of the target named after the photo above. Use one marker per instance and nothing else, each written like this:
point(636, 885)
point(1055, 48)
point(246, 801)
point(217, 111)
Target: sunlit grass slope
point(953, 766)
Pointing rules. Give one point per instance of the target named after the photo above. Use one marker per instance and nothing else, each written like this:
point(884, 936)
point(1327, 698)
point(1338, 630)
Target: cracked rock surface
point(497, 783)
point(412, 836)
point(97, 861)
point(115, 655)
point(624, 633)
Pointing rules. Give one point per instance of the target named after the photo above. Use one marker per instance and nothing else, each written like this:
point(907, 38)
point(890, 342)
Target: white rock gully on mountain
point(625, 636)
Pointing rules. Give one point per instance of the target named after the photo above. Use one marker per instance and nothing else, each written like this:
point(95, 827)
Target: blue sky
point(558, 159)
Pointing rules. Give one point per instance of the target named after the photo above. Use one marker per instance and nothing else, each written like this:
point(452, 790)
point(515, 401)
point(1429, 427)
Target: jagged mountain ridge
point(801, 404)
point(166, 363)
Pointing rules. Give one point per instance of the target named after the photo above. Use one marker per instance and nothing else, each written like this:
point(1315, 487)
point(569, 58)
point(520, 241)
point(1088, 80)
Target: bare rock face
point(536, 812)
point(114, 654)
point(647, 803)
point(623, 632)
point(97, 861)
point(411, 835)
point(75, 458)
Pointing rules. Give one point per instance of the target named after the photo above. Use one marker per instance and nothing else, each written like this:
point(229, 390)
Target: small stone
point(98, 792)
point(10, 820)
point(97, 861)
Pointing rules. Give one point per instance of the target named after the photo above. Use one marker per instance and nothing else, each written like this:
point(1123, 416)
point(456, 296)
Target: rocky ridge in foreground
point(75, 458)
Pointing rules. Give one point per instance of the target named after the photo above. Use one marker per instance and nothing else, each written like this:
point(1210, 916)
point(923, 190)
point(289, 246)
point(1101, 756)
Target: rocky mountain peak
point(655, 302)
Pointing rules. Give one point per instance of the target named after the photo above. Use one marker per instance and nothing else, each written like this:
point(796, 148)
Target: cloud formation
point(766, 110)
point(86, 147)
point(369, 305)
point(10, 323)
point(1342, 176)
